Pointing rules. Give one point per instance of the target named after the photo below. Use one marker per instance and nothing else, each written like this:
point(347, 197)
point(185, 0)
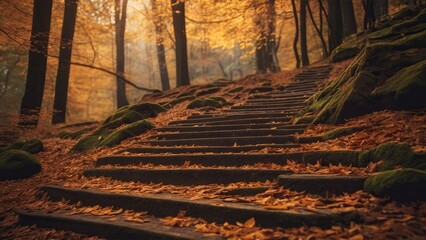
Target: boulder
point(17, 164)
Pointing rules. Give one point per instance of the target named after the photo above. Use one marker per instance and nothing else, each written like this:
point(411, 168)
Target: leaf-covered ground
point(384, 219)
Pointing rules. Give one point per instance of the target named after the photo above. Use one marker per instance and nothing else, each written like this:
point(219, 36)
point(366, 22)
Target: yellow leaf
point(250, 223)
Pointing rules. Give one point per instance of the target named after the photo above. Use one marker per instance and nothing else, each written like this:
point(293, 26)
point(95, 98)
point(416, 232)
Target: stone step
point(180, 128)
point(224, 149)
point(300, 88)
point(271, 104)
point(223, 117)
point(223, 141)
point(226, 133)
point(231, 121)
point(261, 110)
point(241, 115)
point(286, 96)
point(236, 159)
point(162, 205)
point(117, 229)
point(187, 176)
point(283, 100)
point(269, 107)
point(322, 184)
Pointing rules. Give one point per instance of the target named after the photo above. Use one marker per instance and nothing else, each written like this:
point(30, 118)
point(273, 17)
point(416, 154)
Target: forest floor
point(383, 218)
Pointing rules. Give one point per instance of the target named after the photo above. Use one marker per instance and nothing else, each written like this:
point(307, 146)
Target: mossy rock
point(340, 132)
point(17, 164)
point(188, 93)
point(406, 88)
point(400, 184)
point(207, 91)
point(132, 113)
point(261, 89)
point(74, 135)
point(201, 103)
point(219, 99)
point(393, 155)
point(178, 100)
point(237, 89)
point(32, 146)
point(128, 131)
point(375, 80)
point(342, 53)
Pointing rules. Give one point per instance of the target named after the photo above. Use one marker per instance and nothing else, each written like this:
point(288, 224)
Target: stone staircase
point(220, 143)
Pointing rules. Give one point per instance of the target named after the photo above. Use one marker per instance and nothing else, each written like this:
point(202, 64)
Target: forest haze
point(127, 39)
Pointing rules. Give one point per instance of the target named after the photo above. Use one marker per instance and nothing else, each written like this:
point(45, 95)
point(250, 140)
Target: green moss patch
point(340, 132)
point(126, 115)
point(211, 102)
point(393, 155)
point(177, 101)
point(17, 164)
point(32, 146)
point(401, 184)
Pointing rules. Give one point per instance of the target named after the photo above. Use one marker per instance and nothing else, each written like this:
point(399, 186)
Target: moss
point(401, 184)
point(123, 116)
point(407, 87)
point(341, 53)
point(87, 143)
point(197, 103)
point(303, 120)
point(129, 131)
point(393, 155)
point(32, 146)
point(178, 100)
point(340, 132)
point(74, 135)
point(267, 88)
point(17, 164)
point(237, 89)
point(219, 99)
point(207, 91)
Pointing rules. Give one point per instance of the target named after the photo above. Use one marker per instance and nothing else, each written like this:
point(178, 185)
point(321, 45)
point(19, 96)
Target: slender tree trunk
point(182, 73)
point(335, 31)
point(271, 46)
point(348, 17)
point(319, 31)
point(37, 61)
point(303, 43)
point(161, 54)
point(381, 8)
point(296, 35)
point(120, 28)
point(65, 53)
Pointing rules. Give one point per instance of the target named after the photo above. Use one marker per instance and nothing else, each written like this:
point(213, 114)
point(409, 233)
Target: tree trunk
point(381, 8)
point(65, 53)
point(335, 31)
point(161, 54)
point(182, 73)
point(348, 17)
point(303, 43)
point(296, 35)
point(319, 30)
point(271, 46)
point(37, 61)
point(120, 28)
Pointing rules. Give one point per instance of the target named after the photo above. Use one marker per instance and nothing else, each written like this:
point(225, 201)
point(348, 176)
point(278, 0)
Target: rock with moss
point(383, 76)
point(219, 99)
point(128, 131)
point(400, 184)
point(340, 132)
point(18, 164)
point(178, 100)
point(343, 53)
point(74, 135)
point(32, 145)
point(393, 155)
point(201, 103)
point(123, 116)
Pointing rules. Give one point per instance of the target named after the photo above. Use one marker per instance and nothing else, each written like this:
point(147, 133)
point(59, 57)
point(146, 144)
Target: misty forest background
point(222, 37)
